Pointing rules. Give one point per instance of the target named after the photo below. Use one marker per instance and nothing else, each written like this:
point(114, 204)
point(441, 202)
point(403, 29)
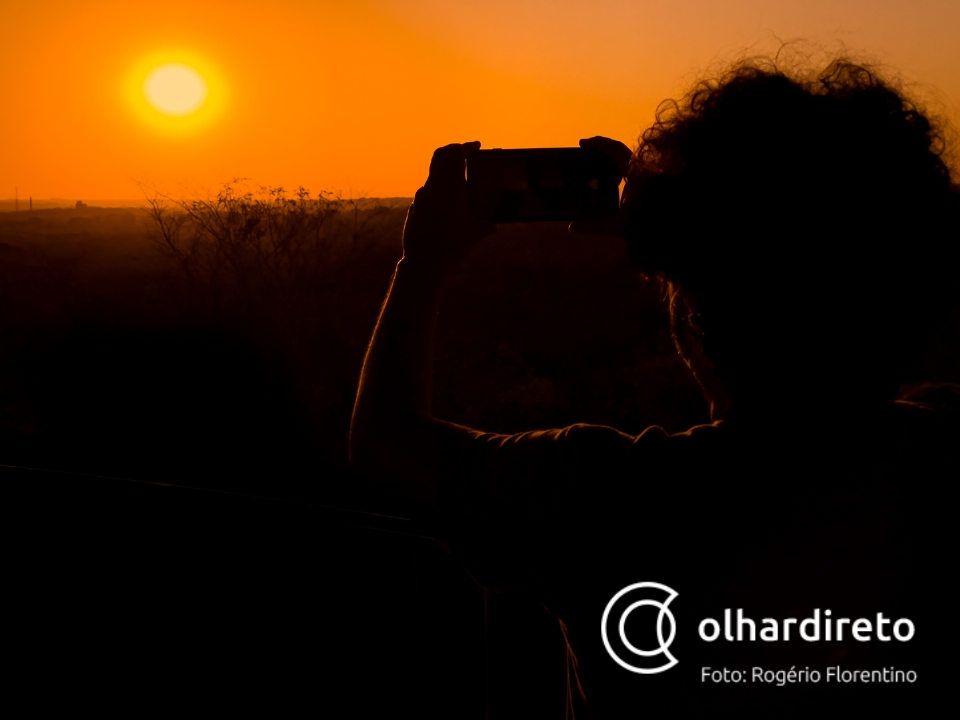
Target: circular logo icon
point(644, 594)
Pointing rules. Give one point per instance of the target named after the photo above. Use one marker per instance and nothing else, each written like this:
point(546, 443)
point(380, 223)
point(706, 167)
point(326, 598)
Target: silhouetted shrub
point(261, 246)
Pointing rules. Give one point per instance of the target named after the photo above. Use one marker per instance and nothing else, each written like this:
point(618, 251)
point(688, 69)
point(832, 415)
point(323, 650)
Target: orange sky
point(355, 95)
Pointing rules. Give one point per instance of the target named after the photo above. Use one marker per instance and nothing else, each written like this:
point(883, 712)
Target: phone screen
point(536, 184)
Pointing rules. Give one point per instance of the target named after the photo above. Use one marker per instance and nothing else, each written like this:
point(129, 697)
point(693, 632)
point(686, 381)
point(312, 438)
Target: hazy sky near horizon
point(355, 95)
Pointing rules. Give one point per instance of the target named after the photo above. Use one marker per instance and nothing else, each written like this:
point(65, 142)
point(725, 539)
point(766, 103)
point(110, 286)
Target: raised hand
point(441, 230)
point(611, 224)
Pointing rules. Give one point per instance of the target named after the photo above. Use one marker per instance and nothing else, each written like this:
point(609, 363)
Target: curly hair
point(871, 106)
point(805, 225)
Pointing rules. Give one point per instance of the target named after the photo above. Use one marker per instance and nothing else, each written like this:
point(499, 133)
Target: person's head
point(804, 225)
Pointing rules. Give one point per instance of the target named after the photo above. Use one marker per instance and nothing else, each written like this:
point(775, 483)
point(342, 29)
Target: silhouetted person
point(804, 230)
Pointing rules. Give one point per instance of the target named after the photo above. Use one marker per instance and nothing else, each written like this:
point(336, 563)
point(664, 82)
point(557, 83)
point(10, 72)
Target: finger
point(608, 145)
point(620, 153)
point(447, 163)
point(419, 198)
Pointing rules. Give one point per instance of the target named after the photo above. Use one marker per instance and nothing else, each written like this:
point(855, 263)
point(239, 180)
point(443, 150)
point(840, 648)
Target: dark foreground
point(114, 362)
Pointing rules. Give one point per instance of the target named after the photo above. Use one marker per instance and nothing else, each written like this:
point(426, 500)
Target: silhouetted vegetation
point(262, 248)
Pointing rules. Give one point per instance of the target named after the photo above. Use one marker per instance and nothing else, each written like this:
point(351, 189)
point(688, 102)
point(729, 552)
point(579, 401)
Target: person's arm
point(393, 437)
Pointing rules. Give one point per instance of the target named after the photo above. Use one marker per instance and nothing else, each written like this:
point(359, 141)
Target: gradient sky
point(355, 95)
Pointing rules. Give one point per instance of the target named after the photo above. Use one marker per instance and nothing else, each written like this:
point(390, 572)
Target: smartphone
point(537, 184)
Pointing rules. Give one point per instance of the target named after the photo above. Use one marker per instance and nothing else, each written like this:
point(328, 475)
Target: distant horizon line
point(143, 200)
point(18, 204)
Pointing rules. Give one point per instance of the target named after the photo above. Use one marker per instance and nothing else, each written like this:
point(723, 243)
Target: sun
point(175, 89)
point(176, 92)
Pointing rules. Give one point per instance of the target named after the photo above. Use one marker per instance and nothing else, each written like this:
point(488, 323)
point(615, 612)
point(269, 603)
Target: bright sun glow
point(175, 89)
